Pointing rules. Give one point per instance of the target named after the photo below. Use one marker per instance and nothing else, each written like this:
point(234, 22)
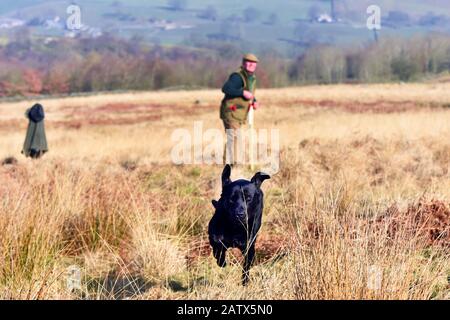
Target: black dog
point(237, 219)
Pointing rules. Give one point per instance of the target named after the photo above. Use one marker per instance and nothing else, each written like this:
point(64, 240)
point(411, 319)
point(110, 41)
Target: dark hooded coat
point(35, 144)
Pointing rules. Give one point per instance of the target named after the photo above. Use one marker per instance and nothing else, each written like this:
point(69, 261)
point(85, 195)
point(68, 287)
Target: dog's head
point(241, 198)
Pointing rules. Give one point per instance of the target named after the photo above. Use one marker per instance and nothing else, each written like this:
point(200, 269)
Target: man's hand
point(248, 95)
point(255, 105)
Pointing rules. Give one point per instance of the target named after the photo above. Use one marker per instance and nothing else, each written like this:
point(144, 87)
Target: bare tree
point(333, 10)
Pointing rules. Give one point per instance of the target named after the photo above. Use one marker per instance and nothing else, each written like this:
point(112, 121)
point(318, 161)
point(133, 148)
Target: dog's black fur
point(237, 219)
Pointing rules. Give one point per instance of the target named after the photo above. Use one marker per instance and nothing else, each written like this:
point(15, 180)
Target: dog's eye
point(248, 197)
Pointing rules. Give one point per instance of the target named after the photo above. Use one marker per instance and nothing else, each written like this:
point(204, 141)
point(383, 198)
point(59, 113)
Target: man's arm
point(234, 87)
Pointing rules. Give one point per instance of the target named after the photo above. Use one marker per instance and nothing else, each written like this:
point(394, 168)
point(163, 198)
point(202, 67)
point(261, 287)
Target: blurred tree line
point(31, 67)
point(390, 59)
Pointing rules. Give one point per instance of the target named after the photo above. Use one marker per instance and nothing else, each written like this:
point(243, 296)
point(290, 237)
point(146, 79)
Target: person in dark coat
point(35, 144)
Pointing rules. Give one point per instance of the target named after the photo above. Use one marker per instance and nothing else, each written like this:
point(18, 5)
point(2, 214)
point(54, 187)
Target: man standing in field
point(239, 97)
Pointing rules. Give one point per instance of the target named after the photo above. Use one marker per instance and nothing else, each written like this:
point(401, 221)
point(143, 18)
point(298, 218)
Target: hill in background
point(287, 26)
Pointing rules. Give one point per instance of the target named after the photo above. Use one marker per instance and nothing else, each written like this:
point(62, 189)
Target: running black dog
point(237, 219)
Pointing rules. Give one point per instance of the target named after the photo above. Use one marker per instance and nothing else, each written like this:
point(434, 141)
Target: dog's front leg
point(219, 252)
point(248, 261)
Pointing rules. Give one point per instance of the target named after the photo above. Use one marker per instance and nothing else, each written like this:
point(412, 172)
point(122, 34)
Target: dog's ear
point(215, 204)
point(226, 175)
point(258, 179)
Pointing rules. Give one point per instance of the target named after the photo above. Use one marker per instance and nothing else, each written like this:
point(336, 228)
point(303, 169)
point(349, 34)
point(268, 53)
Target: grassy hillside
point(360, 208)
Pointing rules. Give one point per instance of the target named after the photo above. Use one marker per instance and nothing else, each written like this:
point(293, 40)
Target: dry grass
point(359, 209)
